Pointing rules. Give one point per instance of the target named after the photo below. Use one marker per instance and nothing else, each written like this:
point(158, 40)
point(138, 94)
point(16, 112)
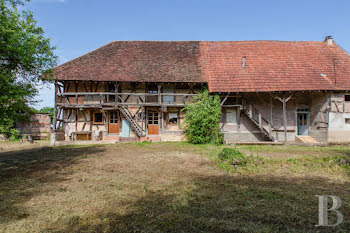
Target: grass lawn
point(168, 187)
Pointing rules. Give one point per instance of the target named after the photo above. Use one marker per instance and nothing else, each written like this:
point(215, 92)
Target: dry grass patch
point(167, 187)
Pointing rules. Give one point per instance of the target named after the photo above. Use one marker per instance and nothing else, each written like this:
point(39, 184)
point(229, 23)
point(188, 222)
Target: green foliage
point(202, 119)
point(14, 135)
point(48, 110)
point(5, 127)
point(232, 156)
point(25, 54)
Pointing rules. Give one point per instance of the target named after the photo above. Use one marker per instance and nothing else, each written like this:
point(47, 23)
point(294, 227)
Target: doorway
point(153, 122)
point(303, 123)
point(113, 125)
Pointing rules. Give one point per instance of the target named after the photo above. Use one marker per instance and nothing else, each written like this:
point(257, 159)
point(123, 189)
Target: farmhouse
point(270, 90)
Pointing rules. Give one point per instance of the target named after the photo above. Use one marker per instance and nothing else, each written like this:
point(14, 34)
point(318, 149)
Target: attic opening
point(243, 61)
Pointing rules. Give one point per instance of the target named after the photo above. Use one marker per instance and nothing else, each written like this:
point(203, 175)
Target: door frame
point(152, 111)
point(302, 110)
point(109, 120)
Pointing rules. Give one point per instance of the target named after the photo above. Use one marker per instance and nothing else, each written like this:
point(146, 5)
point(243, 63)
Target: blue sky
point(79, 26)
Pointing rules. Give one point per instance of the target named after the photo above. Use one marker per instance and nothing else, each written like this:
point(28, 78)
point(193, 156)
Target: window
point(141, 116)
point(231, 117)
point(168, 99)
point(153, 118)
point(173, 119)
point(347, 120)
point(152, 89)
point(113, 117)
point(347, 97)
point(97, 118)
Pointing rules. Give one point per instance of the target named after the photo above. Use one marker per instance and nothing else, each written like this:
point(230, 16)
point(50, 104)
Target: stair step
point(262, 129)
point(305, 139)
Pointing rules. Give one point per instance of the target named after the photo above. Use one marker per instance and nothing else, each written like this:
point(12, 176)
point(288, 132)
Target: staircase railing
point(255, 116)
point(126, 113)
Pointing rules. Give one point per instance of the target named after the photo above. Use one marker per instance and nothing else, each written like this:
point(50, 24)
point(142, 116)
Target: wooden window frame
point(177, 114)
point(346, 98)
point(93, 118)
point(116, 116)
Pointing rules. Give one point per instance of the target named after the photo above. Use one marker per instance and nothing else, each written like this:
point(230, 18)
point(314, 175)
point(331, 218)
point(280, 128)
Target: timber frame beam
point(284, 101)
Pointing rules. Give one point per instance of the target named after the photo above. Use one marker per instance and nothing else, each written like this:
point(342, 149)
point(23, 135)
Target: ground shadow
point(225, 204)
point(23, 172)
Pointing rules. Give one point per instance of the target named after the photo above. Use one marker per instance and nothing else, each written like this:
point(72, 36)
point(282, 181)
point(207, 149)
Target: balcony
point(110, 99)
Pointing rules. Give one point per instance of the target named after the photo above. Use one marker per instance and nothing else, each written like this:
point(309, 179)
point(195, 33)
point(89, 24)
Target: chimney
point(329, 40)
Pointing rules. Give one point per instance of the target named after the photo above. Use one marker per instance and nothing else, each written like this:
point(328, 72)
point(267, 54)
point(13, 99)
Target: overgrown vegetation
point(232, 156)
point(202, 117)
point(25, 54)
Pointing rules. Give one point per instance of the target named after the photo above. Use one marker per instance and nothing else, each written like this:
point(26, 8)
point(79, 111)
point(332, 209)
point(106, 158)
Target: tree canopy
point(25, 54)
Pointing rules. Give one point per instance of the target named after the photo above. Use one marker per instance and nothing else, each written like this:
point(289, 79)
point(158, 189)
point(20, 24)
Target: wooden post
point(53, 133)
point(284, 117)
point(260, 123)
point(76, 120)
point(76, 90)
point(271, 119)
point(159, 94)
point(116, 98)
point(250, 111)
point(284, 101)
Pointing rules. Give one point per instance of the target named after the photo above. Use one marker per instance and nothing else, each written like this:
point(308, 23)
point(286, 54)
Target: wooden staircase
point(258, 120)
point(126, 113)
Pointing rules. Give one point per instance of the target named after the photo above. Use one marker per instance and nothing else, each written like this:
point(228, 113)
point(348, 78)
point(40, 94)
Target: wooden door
point(153, 120)
point(113, 125)
point(125, 129)
point(303, 123)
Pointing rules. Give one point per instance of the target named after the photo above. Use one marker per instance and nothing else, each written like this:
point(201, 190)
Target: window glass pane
point(155, 122)
point(150, 122)
point(231, 116)
point(98, 117)
point(347, 97)
point(173, 118)
point(115, 117)
point(167, 99)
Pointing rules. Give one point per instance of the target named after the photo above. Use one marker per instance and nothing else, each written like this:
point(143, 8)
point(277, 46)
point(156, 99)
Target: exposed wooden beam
point(224, 100)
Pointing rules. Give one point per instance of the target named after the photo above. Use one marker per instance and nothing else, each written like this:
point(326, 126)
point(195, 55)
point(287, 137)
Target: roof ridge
point(287, 41)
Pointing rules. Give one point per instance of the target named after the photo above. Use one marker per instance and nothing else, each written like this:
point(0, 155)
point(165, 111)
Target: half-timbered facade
point(270, 90)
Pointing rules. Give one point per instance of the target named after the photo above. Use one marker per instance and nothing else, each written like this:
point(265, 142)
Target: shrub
point(202, 118)
point(233, 156)
point(14, 134)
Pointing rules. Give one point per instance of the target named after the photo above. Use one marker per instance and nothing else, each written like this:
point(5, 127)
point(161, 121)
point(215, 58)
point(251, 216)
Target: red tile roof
point(269, 65)
point(274, 66)
point(136, 61)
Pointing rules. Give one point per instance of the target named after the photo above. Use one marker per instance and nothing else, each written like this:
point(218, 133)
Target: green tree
point(202, 118)
point(25, 55)
point(48, 110)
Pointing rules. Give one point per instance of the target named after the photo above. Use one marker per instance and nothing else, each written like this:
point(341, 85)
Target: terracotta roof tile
point(269, 65)
point(274, 66)
point(136, 61)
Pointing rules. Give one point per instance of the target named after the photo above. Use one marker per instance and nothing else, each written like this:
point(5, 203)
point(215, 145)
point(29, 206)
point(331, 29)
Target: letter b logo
point(323, 210)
